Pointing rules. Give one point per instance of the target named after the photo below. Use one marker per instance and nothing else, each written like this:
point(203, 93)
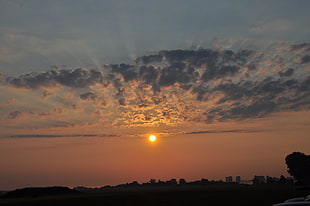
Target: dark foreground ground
point(239, 195)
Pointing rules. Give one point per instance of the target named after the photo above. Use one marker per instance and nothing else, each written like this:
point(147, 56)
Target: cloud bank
point(173, 87)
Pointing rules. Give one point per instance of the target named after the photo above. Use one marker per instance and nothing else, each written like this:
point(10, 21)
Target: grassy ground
point(209, 196)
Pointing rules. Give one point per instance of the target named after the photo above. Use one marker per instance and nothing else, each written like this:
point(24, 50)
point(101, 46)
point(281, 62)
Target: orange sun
point(152, 138)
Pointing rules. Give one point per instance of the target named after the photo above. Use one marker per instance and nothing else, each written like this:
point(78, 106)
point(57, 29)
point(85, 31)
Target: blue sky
point(38, 34)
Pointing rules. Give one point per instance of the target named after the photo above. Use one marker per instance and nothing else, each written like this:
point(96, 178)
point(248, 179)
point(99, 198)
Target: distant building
point(229, 179)
point(238, 179)
point(172, 182)
point(259, 180)
point(182, 182)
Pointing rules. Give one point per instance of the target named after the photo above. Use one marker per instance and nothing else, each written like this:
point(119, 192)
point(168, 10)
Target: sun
point(152, 138)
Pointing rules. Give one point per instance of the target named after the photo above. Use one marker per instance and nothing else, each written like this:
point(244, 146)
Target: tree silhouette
point(299, 167)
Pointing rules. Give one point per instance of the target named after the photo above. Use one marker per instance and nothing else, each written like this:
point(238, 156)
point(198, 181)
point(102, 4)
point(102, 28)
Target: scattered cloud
point(175, 86)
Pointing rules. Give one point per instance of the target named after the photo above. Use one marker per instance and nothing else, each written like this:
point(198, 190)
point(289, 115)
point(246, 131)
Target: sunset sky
point(224, 85)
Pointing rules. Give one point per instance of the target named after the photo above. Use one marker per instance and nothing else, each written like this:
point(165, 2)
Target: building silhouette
point(238, 179)
point(259, 180)
point(229, 179)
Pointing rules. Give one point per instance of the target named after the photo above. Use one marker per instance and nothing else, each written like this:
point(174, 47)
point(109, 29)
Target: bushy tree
point(298, 165)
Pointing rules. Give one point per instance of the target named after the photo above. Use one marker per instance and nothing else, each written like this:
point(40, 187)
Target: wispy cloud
point(223, 131)
point(279, 25)
point(57, 136)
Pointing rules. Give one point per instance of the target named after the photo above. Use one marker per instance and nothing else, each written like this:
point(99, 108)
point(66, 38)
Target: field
point(240, 195)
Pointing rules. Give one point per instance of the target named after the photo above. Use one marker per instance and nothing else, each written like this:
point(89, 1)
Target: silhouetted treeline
point(182, 182)
point(158, 183)
point(38, 192)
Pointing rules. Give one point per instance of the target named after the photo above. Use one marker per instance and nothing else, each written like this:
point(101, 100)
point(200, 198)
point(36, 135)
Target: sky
point(224, 85)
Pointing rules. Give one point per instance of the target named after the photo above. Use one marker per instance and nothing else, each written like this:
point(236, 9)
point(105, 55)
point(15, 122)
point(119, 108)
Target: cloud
point(179, 86)
point(273, 26)
point(76, 107)
point(55, 136)
point(149, 59)
point(11, 101)
point(300, 47)
point(127, 71)
point(287, 72)
point(46, 94)
point(89, 96)
point(305, 59)
point(222, 131)
point(77, 78)
point(14, 115)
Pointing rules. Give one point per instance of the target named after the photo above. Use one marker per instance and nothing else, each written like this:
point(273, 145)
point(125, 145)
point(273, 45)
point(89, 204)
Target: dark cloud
point(127, 71)
point(286, 73)
point(14, 115)
point(252, 99)
point(222, 131)
point(149, 59)
point(302, 46)
point(35, 136)
point(122, 101)
point(257, 109)
point(241, 111)
point(148, 74)
point(46, 94)
point(189, 85)
point(34, 80)
point(75, 107)
point(89, 96)
point(305, 85)
point(182, 68)
point(227, 71)
point(55, 136)
point(174, 74)
point(305, 59)
point(78, 78)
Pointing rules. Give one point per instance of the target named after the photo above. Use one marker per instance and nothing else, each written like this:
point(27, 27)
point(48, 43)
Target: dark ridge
point(32, 192)
point(2, 193)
